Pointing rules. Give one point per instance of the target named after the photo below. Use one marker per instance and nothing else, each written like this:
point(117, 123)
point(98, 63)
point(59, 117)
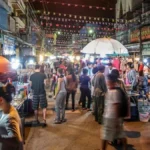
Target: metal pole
point(140, 38)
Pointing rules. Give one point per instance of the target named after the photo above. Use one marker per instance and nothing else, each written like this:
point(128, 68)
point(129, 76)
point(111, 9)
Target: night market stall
point(107, 51)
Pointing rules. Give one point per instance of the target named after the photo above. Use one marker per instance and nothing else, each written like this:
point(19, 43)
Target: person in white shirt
point(108, 69)
point(112, 119)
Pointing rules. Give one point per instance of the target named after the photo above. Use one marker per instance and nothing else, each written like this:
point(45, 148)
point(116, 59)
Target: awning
point(5, 6)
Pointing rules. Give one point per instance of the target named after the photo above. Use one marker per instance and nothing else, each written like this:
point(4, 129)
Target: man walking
point(100, 89)
point(38, 82)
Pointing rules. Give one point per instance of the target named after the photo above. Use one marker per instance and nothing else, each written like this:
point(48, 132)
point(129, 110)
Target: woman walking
point(72, 84)
point(60, 97)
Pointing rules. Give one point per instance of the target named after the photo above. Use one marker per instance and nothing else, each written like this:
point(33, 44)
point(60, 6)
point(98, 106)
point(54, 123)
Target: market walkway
point(81, 132)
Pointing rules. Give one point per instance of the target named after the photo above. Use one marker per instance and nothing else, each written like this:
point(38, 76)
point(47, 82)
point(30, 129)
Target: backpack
point(124, 103)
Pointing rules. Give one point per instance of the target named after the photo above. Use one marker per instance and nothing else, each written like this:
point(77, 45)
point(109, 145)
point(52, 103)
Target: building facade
point(16, 22)
point(135, 34)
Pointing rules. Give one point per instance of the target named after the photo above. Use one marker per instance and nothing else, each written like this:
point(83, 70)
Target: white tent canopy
point(105, 46)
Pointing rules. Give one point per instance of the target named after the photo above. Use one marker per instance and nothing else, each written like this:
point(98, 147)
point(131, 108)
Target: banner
point(9, 46)
point(146, 33)
point(135, 35)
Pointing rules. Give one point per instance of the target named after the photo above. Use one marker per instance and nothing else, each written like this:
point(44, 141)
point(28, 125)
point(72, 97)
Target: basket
point(144, 116)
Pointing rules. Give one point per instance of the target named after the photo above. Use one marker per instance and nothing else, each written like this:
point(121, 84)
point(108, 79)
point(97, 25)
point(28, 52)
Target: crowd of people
point(102, 87)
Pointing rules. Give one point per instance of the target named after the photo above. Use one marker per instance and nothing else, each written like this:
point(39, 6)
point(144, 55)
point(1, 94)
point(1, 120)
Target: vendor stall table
point(133, 105)
point(21, 86)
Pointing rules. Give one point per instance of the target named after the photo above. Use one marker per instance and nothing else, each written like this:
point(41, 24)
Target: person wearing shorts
point(38, 82)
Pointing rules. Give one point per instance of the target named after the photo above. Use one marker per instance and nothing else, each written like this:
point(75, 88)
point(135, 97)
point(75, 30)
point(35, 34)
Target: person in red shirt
point(141, 66)
point(63, 67)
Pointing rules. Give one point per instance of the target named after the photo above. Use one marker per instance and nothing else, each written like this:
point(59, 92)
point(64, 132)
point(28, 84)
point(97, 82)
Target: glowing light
point(145, 60)
point(17, 60)
point(15, 65)
point(52, 57)
point(71, 57)
point(41, 58)
point(59, 32)
point(31, 62)
point(90, 31)
point(12, 60)
point(78, 58)
point(92, 59)
point(137, 59)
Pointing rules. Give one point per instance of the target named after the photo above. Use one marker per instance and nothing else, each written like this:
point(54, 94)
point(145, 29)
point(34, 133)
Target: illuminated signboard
point(9, 46)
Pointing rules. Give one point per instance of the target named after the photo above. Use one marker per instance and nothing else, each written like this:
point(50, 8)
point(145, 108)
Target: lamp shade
point(5, 65)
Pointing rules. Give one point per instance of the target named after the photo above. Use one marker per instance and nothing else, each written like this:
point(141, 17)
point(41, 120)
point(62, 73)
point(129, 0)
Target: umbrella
point(5, 65)
point(105, 46)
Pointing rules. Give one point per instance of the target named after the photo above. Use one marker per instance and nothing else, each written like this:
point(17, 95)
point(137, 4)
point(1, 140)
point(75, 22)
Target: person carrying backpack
point(116, 108)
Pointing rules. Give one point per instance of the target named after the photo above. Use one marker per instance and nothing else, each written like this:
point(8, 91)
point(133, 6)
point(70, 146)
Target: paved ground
point(81, 132)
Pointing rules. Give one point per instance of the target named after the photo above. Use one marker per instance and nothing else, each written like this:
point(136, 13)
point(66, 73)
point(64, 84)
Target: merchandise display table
point(133, 105)
point(24, 85)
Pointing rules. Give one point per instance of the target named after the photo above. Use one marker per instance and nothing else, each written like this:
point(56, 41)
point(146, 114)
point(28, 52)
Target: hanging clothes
point(122, 65)
point(116, 63)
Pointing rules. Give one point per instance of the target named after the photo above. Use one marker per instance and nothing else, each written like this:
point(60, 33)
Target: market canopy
point(5, 65)
point(105, 46)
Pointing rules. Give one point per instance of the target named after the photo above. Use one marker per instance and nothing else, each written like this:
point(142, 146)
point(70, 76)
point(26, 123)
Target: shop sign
point(146, 52)
point(145, 33)
point(135, 35)
point(9, 45)
point(146, 46)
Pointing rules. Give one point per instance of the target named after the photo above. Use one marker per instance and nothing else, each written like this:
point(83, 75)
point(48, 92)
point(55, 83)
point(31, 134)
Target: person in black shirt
point(38, 81)
point(85, 90)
